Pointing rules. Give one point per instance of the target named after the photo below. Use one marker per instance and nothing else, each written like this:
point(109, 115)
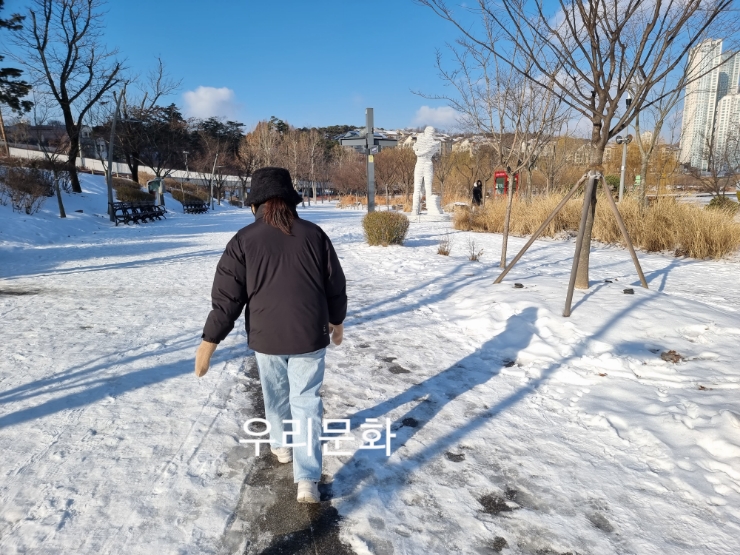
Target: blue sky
point(308, 62)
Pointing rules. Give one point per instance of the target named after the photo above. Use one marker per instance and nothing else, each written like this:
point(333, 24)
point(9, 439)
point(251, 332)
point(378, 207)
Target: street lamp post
point(187, 175)
point(369, 145)
point(111, 212)
point(624, 141)
point(213, 171)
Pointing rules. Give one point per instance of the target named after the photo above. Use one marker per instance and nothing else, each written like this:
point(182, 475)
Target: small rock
point(671, 356)
point(80, 211)
point(455, 457)
point(410, 422)
point(493, 504)
point(608, 281)
point(509, 363)
point(600, 522)
point(499, 544)
point(518, 286)
point(398, 369)
point(629, 291)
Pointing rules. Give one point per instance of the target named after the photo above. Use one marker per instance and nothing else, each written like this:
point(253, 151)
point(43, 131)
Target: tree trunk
point(643, 181)
point(597, 159)
point(62, 213)
point(132, 161)
point(74, 150)
point(507, 219)
point(582, 280)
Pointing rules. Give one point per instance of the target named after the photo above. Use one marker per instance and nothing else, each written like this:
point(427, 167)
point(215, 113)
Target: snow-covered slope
point(557, 435)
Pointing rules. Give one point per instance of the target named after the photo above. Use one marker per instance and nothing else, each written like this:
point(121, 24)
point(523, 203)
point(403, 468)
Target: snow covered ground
point(516, 429)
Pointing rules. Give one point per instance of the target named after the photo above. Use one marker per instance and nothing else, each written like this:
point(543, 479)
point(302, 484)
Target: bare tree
point(63, 52)
point(386, 171)
point(590, 55)
point(245, 163)
point(265, 140)
point(497, 101)
point(444, 163)
point(722, 154)
point(556, 160)
point(55, 153)
point(139, 109)
point(406, 162)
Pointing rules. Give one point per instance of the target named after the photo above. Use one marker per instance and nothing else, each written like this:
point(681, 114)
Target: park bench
point(137, 212)
point(194, 207)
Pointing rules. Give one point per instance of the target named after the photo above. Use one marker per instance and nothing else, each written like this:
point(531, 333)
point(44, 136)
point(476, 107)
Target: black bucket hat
point(270, 183)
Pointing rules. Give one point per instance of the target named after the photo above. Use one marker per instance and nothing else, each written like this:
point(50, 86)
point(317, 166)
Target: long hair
point(279, 214)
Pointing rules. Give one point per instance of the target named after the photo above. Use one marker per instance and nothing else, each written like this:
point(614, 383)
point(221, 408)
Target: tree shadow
point(90, 389)
point(81, 376)
point(25, 264)
point(430, 396)
point(663, 273)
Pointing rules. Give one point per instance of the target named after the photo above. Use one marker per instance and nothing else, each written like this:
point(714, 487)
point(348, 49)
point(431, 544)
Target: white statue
point(425, 147)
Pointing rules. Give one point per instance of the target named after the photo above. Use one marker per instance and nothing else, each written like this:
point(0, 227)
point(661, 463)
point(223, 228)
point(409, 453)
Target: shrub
point(613, 182)
point(144, 177)
point(349, 201)
point(25, 188)
point(385, 228)
point(445, 245)
point(129, 191)
point(475, 252)
point(723, 203)
point(123, 182)
point(667, 225)
point(192, 191)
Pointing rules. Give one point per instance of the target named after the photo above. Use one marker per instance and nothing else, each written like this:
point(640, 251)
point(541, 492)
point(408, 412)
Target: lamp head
point(619, 139)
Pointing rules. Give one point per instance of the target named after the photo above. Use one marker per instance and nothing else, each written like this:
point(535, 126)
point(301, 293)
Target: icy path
point(513, 424)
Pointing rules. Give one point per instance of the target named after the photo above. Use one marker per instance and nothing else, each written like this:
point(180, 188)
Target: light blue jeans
point(290, 386)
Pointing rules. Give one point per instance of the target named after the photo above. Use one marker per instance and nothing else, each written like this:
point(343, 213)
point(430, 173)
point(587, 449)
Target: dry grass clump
point(130, 191)
point(445, 245)
point(474, 252)
point(144, 177)
point(385, 228)
point(724, 203)
point(349, 201)
point(192, 192)
point(26, 188)
point(667, 225)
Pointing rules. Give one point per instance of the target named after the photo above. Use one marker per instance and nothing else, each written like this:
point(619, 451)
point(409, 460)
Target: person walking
point(477, 193)
point(285, 271)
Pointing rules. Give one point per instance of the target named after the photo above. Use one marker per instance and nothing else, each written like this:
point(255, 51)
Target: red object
point(502, 183)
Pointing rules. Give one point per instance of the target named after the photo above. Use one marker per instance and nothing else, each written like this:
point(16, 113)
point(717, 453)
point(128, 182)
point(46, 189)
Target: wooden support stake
point(592, 179)
point(625, 234)
point(542, 228)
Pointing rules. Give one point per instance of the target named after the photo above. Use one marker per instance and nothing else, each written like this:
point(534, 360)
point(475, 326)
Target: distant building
point(718, 74)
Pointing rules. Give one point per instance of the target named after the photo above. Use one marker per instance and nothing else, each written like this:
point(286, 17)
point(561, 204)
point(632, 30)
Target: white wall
point(118, 167)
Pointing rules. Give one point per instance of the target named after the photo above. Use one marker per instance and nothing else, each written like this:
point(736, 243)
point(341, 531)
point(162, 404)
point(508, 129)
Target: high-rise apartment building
point(706, 117)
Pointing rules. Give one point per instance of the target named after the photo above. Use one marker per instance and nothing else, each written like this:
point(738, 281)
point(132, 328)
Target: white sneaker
point(308, 492)
point(283, 454)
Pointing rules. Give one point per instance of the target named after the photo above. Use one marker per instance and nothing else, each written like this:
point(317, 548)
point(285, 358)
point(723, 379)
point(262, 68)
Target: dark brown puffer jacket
point(292, 286)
